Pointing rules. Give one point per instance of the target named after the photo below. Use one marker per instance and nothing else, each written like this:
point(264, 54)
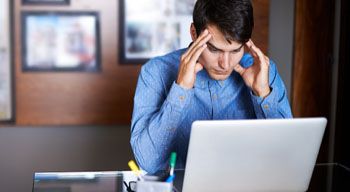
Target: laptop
point(253, 155)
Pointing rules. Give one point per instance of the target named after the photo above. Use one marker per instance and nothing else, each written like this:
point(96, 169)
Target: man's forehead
point(219, 41)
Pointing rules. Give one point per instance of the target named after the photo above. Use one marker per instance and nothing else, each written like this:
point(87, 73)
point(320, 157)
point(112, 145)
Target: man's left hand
point(256, 77)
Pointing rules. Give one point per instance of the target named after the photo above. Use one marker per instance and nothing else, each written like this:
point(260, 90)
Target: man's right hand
point(189, 65)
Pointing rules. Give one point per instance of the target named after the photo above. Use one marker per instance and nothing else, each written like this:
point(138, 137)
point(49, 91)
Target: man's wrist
point(263, 93)
point(183, 85)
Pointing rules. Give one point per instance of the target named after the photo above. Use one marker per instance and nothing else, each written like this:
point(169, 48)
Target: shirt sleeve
point(156, 115)
point(276, 104)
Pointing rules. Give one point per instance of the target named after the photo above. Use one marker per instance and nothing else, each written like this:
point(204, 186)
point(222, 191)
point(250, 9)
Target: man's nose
point(224, 60)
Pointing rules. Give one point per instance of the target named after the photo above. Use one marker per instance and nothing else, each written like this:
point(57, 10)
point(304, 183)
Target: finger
point(189, 63)
point(267, 60)
point(248, 46)
point(199, 47)
point(252, 48)
point(195, 43)
point(197, 53)
point(201, 37)
point(198, 67)
point(239, 69)
point(199, 44)
point(257, 53)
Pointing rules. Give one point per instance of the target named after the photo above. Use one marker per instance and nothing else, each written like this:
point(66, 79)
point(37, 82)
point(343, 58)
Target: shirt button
point(214, 96)
point(266, 106)
point(182, 98)
point(221, 83)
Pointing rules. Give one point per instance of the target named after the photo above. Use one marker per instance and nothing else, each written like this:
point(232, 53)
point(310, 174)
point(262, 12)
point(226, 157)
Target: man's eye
point(211, 49)
point(236, 51)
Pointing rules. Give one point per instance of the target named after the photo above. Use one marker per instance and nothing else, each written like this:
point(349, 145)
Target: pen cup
point(153, 186)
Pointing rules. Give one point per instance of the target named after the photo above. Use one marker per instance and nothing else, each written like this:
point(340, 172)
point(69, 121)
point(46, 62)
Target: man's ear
point(193, 32)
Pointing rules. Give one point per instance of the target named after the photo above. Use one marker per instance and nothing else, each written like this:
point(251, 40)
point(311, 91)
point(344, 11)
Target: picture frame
point(152, 28)
point(46, 2)
point(60, 41)
point(7, 113)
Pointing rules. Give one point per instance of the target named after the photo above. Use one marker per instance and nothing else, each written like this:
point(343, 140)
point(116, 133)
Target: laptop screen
point(109, 181)
point(253, 155)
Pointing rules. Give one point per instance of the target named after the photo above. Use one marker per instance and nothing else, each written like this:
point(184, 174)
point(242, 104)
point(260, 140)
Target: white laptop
point(253, 155)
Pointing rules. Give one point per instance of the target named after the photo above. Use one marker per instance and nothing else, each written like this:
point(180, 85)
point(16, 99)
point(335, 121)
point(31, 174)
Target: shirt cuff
point(265, 107)
point(179, 97)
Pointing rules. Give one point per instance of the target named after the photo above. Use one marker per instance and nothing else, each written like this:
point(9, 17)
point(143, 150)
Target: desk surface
point(326, 177)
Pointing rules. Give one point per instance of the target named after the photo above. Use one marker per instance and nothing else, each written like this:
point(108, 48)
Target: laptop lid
point(253, 155)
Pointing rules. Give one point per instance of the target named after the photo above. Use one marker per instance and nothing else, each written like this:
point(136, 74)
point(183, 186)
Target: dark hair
point(234, 18)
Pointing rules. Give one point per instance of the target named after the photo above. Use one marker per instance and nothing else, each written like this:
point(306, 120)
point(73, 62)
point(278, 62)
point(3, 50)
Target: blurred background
point(70, 108)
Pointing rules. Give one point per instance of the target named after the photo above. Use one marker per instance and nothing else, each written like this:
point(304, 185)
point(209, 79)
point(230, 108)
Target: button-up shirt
point(164, 111)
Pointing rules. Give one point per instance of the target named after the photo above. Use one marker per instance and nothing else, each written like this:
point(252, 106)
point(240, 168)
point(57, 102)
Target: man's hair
point(234, 18)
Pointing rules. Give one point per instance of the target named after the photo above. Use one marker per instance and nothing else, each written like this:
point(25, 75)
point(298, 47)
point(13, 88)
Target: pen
point(170, 178)
point(172, 167)
point(172, 162)
point(135, 169)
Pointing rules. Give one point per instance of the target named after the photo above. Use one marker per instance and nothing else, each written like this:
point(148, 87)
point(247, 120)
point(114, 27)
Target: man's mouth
point(220, 72)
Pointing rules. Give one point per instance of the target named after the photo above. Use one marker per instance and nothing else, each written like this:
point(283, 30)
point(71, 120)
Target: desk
point(332, 177)
point(326, 178)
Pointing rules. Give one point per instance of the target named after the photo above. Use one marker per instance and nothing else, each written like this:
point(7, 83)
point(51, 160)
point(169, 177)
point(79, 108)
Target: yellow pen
point(135, 169)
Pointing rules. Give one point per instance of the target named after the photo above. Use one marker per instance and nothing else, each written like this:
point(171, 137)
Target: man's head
point(230, 22)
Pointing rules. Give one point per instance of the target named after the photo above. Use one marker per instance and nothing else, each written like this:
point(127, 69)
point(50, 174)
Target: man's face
point(220, 56)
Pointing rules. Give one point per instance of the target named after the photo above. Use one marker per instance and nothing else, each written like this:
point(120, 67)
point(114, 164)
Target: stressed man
point(221, 75)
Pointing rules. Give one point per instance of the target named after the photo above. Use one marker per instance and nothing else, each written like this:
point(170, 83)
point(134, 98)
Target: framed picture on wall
point(60, 41)
point(152, 28)
point(45, 2)
point(6, 67)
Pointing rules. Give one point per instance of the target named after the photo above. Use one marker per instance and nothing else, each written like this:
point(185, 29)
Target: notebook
point(253, 155)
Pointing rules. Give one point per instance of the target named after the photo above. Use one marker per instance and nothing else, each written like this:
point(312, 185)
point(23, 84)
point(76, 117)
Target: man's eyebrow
point(239, 48)
point(212, 46)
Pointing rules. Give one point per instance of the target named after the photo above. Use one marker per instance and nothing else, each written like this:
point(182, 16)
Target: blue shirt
point(164, 111)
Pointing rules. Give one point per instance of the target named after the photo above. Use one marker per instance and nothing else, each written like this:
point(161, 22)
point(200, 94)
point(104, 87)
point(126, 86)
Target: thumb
point(198, 67)
point(239, 69)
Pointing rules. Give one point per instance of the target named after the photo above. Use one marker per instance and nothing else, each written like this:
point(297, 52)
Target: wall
point(76, 98)
point(281, 36)
point(80, 98)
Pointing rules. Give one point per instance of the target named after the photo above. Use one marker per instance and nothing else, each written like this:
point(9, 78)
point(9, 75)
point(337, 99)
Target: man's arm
point(156, 114)
point(268, 92)
point(274, 105)
point(156, 117)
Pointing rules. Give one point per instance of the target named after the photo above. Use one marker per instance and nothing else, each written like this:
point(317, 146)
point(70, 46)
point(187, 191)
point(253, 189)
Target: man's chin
point(219, 77)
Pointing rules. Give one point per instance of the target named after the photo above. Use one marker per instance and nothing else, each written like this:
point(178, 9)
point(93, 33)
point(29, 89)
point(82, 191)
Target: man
point(211, 79)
